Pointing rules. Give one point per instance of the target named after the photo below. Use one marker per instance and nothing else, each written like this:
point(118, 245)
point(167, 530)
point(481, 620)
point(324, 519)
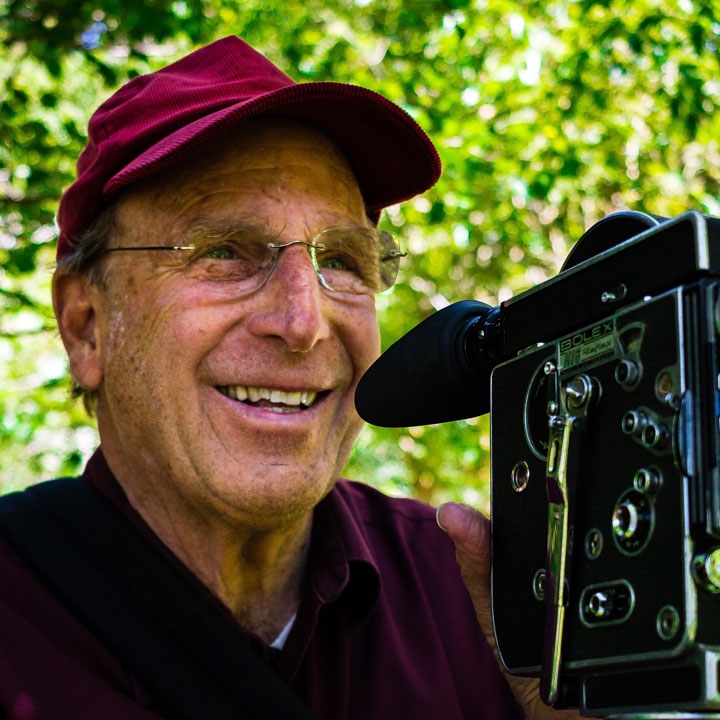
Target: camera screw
point(618, 293)
point(520, 476)
point(549, 368)
point(593, 543)
point(538, 585)
point(668, 622)
point(665, 384)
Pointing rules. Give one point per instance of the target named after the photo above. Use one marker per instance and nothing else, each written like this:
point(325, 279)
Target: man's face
point(175, 354)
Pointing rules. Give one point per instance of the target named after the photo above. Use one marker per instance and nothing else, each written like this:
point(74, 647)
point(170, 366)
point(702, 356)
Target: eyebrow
point(228, 226)
point(262, 230)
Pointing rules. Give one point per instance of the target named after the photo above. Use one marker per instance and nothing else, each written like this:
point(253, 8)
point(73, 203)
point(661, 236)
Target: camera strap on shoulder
point(147, 614)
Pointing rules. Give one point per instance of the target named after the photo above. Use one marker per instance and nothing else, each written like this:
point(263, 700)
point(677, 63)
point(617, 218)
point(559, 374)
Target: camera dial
point(632, 522)
point(706, 570)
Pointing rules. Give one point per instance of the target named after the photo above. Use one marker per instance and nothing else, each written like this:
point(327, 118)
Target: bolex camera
point(603, 391)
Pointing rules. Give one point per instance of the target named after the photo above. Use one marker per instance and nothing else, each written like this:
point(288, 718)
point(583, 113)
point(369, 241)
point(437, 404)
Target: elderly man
point(217, 264)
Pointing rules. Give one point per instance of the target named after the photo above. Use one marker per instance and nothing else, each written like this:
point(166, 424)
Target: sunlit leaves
point(547, 116)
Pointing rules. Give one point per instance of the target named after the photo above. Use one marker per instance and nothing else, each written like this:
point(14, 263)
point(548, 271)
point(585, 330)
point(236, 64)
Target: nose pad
point(311, 255)
point(284, 259)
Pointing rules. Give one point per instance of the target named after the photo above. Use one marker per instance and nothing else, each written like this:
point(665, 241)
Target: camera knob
point(580, 391)
point(627, 373)
point(706, 569)
point(655, 435)
point(600, 604)
point(633, 422)
point(632, 521)
point(625, 519)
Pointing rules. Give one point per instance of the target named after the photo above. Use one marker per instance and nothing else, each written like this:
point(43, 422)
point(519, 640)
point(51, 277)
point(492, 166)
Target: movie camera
point(603, 391)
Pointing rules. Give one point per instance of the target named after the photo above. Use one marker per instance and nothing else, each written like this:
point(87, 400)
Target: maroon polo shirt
point(385, 630)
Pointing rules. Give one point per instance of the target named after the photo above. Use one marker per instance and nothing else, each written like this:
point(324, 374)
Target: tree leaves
point(547, 115)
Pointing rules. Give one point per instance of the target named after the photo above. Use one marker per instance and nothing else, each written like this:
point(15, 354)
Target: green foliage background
point(548, 116)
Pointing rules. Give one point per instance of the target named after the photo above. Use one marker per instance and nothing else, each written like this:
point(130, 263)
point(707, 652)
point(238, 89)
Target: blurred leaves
point(547, 115)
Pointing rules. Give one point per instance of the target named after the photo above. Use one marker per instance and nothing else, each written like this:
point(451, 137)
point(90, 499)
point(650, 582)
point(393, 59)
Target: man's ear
point(78, 307)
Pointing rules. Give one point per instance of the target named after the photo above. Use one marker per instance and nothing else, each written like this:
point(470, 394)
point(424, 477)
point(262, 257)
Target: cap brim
point(392, 157)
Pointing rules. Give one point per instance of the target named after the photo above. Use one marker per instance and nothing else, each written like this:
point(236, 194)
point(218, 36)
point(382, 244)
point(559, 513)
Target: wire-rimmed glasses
point(353, 260)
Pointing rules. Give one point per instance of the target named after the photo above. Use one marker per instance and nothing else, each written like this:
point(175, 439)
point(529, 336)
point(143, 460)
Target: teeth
point(256, 394)
point(240, 392)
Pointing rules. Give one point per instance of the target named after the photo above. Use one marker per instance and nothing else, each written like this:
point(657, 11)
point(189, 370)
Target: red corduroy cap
point(155, 120)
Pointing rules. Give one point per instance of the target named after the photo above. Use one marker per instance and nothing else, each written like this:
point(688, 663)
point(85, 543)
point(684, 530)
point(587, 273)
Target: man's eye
point(334, 262)
point(221, 252)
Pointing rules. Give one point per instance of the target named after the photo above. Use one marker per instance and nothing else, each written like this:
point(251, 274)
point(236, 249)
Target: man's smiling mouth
point(270, 398)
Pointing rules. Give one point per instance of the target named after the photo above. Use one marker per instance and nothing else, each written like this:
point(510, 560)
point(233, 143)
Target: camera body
point(603, 390)
point(605, 489)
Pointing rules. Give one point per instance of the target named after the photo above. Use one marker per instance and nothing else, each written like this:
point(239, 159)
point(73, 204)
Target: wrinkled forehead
point(275, 168)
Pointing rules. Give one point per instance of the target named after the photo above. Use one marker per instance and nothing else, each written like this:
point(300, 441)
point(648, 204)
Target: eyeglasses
point(347, 260)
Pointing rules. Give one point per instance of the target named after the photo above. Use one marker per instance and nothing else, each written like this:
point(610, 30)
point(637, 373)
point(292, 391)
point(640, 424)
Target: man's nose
point(294, 303)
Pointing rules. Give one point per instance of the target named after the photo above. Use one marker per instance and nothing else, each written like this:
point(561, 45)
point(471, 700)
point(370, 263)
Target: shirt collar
point(342, 568)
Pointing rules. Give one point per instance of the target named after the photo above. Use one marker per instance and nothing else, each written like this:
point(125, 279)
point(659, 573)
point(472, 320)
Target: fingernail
point(437, 517)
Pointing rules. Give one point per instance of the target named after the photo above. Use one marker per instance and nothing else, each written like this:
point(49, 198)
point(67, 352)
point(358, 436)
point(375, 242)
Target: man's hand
point(470, 531)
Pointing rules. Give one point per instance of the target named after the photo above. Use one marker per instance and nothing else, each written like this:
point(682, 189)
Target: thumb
point(470, 531)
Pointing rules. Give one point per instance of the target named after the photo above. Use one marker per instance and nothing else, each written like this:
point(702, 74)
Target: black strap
point(148, 615)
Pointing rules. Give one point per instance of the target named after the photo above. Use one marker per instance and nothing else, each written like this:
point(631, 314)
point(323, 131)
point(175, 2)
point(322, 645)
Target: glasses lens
point(235, 256)
point(356, 260)
point(390, 255)
point(348, 260)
